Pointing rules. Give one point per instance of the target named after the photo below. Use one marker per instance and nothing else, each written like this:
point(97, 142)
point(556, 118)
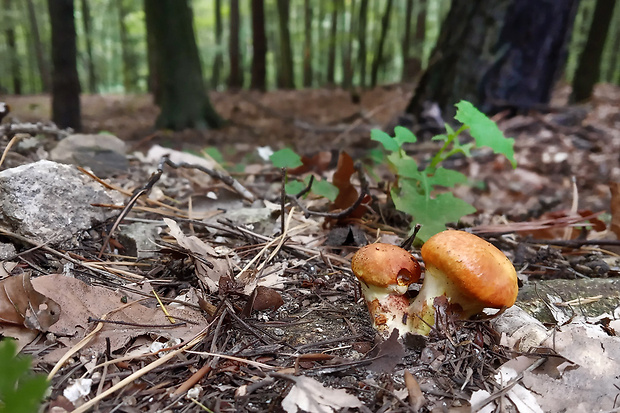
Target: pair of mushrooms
point(466, 269)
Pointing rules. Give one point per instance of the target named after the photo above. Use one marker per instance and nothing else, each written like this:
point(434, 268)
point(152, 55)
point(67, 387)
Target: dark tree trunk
point(361, 38)
point(235, 80)
point(65, 81)
point(44, 71)
point(130, 77)
point(90, 64)
point(9, 22)
point(183, 99)
point(378, 59)
point(286, 79)
point(259, 46)
point(505, 56)
point(407, 72)
point(218, 62)
point(151, 55)
point(307, 61)
point(347, 58)
point(412, 57)
point(333, 33)
point(589, 66)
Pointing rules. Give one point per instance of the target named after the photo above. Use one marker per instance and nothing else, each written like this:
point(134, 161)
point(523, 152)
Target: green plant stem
point(438, 158)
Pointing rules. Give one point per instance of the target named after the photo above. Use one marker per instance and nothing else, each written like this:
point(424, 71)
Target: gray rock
point(104, 154)
point(7, 251)
point(139, 238)
point(50, 202)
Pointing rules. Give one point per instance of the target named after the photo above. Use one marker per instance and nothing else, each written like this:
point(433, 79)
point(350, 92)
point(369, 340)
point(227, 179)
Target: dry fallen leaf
point(210, 267)
point(79, 301)
point(311, 396)
point(21, 304)
point(347, 194)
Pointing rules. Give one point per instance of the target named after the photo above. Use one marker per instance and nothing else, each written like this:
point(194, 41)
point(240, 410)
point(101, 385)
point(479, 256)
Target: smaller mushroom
point(469, 271)
point(385, 272)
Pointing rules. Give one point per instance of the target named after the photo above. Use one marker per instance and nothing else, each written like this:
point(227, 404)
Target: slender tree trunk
point(307, 61)
point(44, 71)
point(331, 54)
point(361, 38)
point(9, 22)
point(589, 66)
point(183, 99)
point(218, 61)
point(130, 76)
point(65, 81)
point(378, 60)
point(90, 64)
point(235, 80)
point(406, 43)
point(287, 78)
point(347, 58)
point(259, 45)
point(420, 35)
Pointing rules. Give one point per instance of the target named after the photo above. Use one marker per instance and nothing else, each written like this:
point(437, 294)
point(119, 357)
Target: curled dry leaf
point(210, 267)
point(21, 304)
point(347, 194)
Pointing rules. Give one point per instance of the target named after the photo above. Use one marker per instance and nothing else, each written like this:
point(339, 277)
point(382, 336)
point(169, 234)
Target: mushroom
point(469, 271)
point(385, 272)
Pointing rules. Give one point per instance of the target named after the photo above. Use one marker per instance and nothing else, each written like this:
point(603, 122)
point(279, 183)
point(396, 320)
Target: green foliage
point(415, 189)
point(20, 390)
point(285, 158)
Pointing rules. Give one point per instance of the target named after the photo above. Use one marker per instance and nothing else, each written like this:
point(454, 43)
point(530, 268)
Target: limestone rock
point(50, 202)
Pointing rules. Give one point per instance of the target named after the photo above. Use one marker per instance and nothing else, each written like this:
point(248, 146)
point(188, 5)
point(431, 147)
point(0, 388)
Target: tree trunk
point(588, 68)
point(286, 79)
point(406, 44)
point(333, 33)
point(361, 38)
point(44, 71)
point(235, 80)
point(90, 64)
point(218, 61)
point(130, 76)
point(378, 59)
point(259, 46)
point(65, 81)
point(183, 99)
point(307, 61)
point(9, 22)
point(347, 55)
point(486, 56)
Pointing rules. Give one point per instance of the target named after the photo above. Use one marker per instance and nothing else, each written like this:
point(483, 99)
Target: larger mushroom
point(469, 271)
point(385, 272)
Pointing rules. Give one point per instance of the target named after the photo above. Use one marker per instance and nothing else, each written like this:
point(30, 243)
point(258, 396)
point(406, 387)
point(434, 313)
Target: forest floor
point(319, 340)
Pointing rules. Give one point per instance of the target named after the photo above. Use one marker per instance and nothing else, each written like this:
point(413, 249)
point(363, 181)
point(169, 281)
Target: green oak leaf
point(20, 390)
point(384, 139)
point(403, 135)
point(485, 131)
point(285, 158)
point(432, 213)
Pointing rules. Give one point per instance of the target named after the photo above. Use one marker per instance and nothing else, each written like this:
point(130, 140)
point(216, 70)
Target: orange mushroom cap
point(385, 265)
point(476, 268)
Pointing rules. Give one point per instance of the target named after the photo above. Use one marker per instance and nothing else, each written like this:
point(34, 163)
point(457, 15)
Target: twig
point(227, 179)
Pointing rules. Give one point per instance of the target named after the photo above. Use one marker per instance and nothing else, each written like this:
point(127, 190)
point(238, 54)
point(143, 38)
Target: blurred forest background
point(501, 54)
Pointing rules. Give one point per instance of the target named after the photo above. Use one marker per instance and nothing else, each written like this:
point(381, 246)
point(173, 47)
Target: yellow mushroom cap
point(385, 265)
point(476, 268)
